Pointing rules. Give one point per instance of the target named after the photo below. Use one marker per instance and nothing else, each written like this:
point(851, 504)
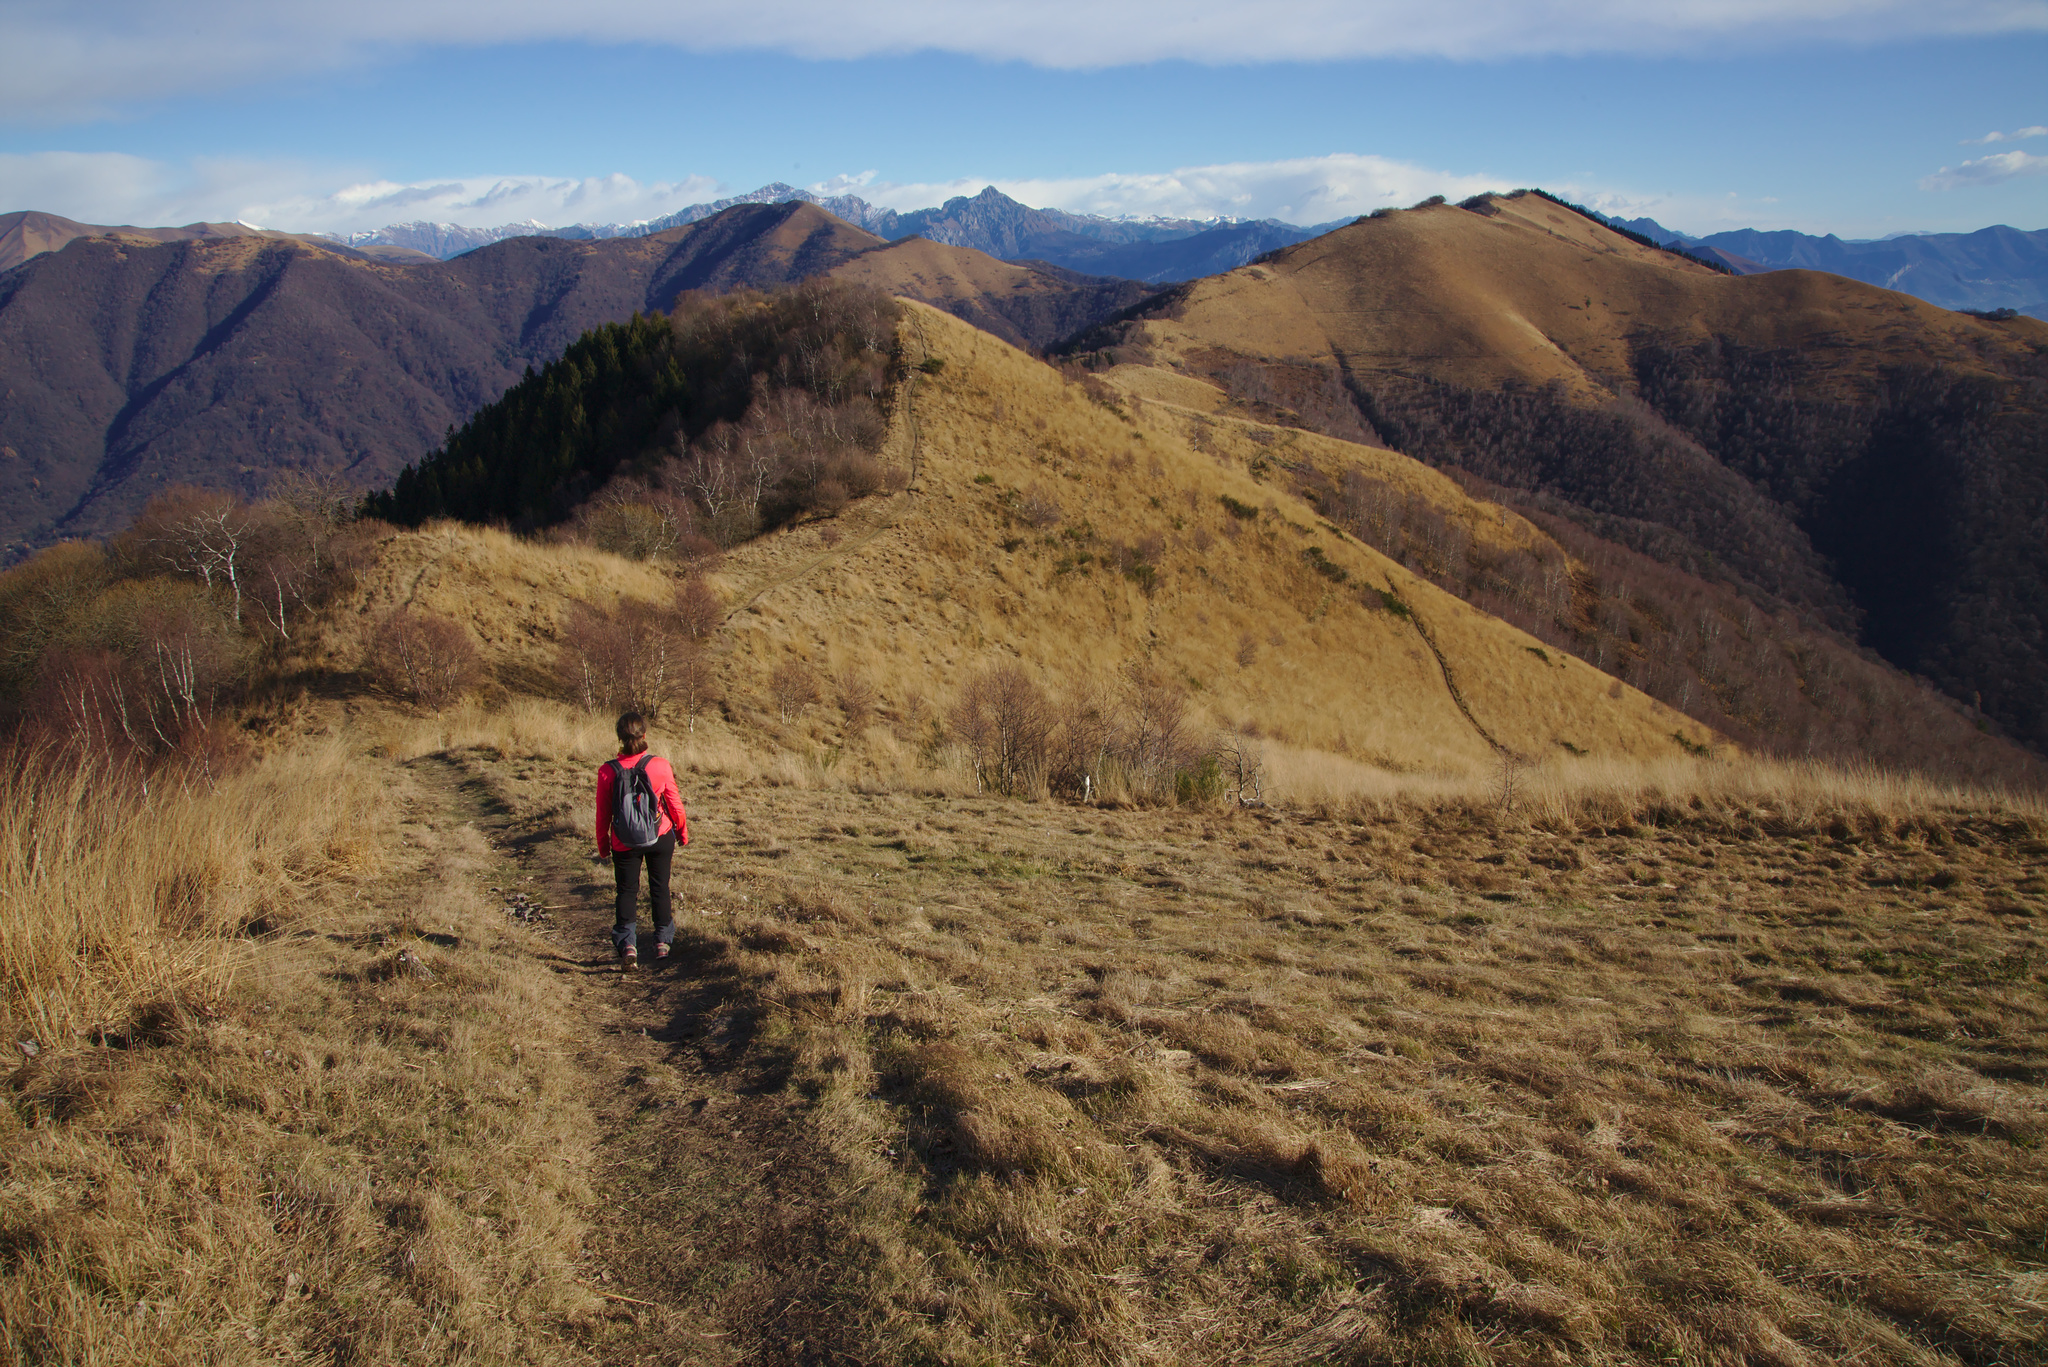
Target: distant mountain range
point(1155, 250)
point(225, 355)
point(1992, 268)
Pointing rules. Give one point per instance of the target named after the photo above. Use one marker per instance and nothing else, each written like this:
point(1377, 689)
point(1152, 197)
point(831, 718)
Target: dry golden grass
point(348, 1131)
point(1789, 792)
point(118, 896)
point(1666, 1059)
point(1535, 293)
point(512, 595)
point(1695, 1065)
point(924, 590)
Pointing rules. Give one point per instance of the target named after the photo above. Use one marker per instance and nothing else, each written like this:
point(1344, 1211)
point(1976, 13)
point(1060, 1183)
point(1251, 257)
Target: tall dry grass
point(1602, 790)
point(120, 893)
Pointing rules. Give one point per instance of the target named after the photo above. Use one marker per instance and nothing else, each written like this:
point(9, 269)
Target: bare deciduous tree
point(1003, 718)
point(1241, 755)
point(202, 533)
point(699, 610)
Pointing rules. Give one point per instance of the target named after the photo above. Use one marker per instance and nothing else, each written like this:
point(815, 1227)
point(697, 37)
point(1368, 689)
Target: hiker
point(639, 817)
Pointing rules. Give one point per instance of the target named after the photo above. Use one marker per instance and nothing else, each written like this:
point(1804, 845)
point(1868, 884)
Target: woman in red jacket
point(673, 830)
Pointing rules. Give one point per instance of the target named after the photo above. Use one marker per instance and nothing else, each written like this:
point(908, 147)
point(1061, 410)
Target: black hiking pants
point(626, 871)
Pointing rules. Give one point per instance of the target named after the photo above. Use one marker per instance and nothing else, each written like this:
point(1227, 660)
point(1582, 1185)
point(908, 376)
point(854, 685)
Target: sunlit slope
point(1535, 292)
point(1237, 611)
point(513, 596)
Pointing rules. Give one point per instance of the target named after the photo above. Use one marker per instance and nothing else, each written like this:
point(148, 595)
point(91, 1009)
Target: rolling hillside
point(1844, 452)
point(1084, 529)
point(326, 1050)
point(27, 234)
point(1049, 528)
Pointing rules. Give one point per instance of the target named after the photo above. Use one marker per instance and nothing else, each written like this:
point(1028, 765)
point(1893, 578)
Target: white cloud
point(60, 59)
point(1991, 170)
point(483, 202)
point(114, 188)
point(110, 187)
point(1302, 190)
point(2037, 131)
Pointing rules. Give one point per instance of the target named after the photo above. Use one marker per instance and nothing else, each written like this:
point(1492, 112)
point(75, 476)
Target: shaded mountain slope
point(28, 233)
point(128, 365)
point(1026, 303)
point(1849, 452)
point(1992, 268)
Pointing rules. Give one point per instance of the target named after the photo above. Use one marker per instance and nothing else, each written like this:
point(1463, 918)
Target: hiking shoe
point(628, 957)
point(660, 952)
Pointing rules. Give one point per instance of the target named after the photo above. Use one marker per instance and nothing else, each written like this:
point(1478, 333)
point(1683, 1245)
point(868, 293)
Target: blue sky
point(1861, 117)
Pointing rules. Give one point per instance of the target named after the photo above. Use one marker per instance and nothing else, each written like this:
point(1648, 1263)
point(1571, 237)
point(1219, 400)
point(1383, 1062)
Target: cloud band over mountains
point(60, 60)
point(116, 188)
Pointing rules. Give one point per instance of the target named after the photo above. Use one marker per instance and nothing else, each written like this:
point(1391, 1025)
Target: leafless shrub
point(912, 714)
point(794, 686)
point(699, 610)
point(1509, 771)
point(1084, 737)
point(201, 533)
point(696, 682)
point(856, 697)
point(630, 658)
point(1241, 757)
point(1247, 650)
point(698, 554)
point(1039, 508)
point(829, 496)
point(1003, 719)
point(636, 522)
point(422, 657)
point(1154, 745)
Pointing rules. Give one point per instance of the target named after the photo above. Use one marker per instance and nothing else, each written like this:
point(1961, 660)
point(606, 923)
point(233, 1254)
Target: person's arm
point(671, 799)
point(604, 812)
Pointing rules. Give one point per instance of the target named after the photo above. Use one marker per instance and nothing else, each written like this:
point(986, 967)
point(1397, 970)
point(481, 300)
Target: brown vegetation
point(1816, 445)
point(1281, 1013)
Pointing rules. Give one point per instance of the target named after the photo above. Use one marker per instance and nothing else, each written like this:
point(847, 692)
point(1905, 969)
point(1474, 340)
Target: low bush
point(422, 657)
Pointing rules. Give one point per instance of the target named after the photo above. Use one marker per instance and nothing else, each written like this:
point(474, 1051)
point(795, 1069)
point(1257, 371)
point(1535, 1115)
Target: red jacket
point(667, 797)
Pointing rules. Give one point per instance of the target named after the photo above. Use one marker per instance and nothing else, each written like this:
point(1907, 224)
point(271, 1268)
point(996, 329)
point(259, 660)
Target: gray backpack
point(636, 814)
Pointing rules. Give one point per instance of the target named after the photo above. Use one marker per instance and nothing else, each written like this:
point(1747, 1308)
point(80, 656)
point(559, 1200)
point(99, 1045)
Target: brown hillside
point(1049, 527)
point(1820, 445)
point(132, 365)
point(1026, 303)
point(24, 234)
point(1537, 293)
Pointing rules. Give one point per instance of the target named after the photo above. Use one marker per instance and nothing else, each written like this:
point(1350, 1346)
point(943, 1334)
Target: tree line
point(735, 413)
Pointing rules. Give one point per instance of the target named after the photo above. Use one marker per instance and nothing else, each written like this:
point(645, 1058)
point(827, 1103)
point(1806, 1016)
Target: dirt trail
point(710, 1239)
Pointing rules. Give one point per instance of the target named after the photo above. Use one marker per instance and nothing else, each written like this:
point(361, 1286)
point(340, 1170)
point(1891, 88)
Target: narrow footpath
point(711, 1238)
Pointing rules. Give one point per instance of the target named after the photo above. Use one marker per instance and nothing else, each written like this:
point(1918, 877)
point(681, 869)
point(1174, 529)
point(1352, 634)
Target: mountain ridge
point(1838, 450)
point(133, 364)
point(1990, 268)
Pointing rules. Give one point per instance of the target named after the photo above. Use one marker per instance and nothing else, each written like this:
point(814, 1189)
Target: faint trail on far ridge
point(902, 503)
